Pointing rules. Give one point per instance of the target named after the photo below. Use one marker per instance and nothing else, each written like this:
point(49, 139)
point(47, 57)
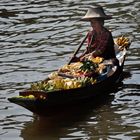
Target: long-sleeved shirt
point(101, 45)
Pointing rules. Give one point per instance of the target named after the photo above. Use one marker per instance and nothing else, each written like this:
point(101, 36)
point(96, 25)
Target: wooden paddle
point(76, 51)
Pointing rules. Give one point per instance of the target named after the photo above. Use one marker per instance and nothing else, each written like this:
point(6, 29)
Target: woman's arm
point(101, 44)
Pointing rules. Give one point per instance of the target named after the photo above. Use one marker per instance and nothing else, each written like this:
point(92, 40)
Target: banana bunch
point(72, 83)
point(55, 84)
point(78, 82)
point(96, 59)
point(87, 81)
point(67, 83)
point(123, 42)
point(39, 86)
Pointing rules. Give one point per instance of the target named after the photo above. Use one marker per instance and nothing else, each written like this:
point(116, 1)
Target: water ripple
point(36, 38)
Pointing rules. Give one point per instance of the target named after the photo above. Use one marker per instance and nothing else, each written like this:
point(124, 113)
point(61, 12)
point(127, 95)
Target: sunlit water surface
point(39, 36)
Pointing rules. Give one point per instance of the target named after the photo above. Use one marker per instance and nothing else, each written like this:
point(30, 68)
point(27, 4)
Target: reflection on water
point(81, 116)
point(36, 38)
point(89, 121)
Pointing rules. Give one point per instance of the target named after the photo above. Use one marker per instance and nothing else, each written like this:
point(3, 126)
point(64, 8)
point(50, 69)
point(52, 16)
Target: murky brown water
point(39, 36)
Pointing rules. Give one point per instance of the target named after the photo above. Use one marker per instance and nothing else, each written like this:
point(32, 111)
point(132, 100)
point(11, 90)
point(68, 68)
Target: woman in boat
point(99, 40)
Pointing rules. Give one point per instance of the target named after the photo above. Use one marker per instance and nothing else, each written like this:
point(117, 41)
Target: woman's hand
point(82, 58)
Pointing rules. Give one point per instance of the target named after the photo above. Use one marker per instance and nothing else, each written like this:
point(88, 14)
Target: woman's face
point(95, 23)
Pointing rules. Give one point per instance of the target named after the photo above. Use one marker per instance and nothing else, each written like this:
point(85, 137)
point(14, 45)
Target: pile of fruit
point(81, 76)
point(62, 84)
point(81, 69)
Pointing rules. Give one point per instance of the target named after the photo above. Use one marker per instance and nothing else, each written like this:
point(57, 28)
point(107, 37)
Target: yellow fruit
point(30, 96)
point(96, 59)
point(122, 41)
point(53, 75)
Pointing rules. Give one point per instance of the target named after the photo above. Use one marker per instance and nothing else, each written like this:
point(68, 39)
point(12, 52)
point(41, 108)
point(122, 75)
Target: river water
point(39, 36)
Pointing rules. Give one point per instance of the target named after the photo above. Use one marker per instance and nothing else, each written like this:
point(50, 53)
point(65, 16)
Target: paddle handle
point(76, 51)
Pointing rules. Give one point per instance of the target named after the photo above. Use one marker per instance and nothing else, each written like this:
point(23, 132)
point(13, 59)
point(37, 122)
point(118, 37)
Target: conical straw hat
point(96, 12)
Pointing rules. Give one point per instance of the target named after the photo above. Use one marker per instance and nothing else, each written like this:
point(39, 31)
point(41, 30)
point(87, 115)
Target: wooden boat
point(63, 98)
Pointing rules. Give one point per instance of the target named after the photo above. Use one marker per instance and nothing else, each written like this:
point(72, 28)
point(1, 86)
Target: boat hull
point(60, 100)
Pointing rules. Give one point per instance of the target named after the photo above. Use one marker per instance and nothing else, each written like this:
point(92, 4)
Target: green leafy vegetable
point(89, 66)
